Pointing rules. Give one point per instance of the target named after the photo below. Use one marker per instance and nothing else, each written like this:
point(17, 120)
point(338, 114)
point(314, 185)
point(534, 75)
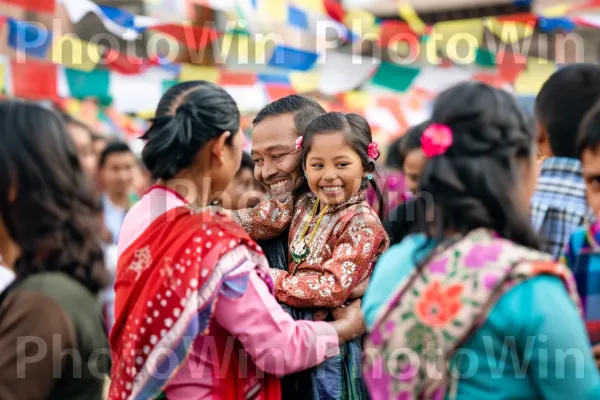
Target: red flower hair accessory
point(373, 151)
point(436, 140)
point(299, 142)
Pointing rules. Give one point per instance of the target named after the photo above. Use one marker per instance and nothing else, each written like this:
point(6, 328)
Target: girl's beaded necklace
point(301, 246)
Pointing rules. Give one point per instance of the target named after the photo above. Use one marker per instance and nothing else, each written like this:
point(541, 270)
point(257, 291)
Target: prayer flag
point(409, 15)
point(43, 6)
point(316, 6)
point(31, 39)
point(395, 77)
point(358, 101)
point(194, 37)
point(304, 82)
point(530, 81)
point(509, 31)
point(458, 40)
point(34, 80)
point(236, 78)
point(297, 18)
point(274, 79)
point(191, 72)
point(89, 84)
point(71, 52)
point(276, 92)
point(275, 9)
point(290, 58)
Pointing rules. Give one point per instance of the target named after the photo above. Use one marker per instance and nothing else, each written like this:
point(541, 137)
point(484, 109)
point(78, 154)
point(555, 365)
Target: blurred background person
point(117, 164)
point(82, 136)
point(48, 235)
point(244, 191)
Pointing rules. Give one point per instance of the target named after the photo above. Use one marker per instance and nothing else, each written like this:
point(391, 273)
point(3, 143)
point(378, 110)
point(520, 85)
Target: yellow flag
point(2, 77)
point(530, 81)
point(75, 53)
point(559, 10)
point(362, 22)
point(408, 14)
point(275, 9)
point(458, 40)
point(304, 82)
point(312, 5)
point(357, 100)
point(509, 31)
point(73, 107)
point(146, 114)
point(191, 72)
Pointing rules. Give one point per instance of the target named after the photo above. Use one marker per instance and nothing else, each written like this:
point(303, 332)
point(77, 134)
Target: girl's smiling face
point(333, 169)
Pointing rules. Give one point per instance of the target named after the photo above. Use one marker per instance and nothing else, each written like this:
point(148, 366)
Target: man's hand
point(348, 321)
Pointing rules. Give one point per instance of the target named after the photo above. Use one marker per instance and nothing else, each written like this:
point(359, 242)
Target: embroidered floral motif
point(142, 260)
point(482, 254)
point(439, 266)
point(437, 306)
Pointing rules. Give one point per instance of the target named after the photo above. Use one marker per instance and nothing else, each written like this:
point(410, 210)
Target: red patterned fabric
point(166, 287)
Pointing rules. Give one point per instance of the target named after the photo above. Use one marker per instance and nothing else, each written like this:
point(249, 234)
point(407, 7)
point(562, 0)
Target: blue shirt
point(583, 257)
point(558, 206)
point(520, 352)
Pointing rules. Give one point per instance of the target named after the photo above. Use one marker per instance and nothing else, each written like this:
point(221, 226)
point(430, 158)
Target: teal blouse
point(533, 345)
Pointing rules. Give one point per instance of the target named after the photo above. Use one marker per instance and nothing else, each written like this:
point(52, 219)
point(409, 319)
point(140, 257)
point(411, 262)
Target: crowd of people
point(467, 265)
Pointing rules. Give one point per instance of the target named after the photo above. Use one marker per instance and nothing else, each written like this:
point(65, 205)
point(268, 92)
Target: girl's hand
point(348, 321)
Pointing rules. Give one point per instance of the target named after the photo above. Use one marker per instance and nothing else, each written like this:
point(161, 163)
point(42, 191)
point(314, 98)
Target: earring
point(370, 177)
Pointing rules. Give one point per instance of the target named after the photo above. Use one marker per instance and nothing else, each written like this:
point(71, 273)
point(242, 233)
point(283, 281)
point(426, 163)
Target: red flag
point(194, 37)
point(398, 31)
point(34, 80)
point(124, 63)
point(237, 78)
point(276, 92)
point(43, 6)
point(510, 65)
point(335, 10)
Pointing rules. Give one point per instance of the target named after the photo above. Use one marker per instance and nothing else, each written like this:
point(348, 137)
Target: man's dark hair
point(113, 148)
point(305, 110)
point(562, 103)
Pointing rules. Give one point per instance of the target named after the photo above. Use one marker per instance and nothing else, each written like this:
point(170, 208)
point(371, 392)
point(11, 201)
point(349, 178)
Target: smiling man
point(276, 129)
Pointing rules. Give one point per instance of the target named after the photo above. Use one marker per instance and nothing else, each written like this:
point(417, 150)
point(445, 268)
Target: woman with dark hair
point(50, 321)
point(472, 286)
point(195, 317)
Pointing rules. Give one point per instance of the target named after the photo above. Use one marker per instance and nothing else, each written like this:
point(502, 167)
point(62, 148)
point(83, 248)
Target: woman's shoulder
point(54, 283)
point(59, 289)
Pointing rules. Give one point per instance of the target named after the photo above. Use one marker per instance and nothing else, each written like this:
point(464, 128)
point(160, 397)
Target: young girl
point(335, 237)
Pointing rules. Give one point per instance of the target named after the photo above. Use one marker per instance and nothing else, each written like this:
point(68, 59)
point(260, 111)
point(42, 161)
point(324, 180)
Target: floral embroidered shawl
point(166, 288)
point(439, 306)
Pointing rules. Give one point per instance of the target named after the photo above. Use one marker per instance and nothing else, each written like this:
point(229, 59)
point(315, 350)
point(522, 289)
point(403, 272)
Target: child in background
point(335, 237)
point(582, 253)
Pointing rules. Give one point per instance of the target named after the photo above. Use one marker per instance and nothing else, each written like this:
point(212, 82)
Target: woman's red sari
point(167, 286)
